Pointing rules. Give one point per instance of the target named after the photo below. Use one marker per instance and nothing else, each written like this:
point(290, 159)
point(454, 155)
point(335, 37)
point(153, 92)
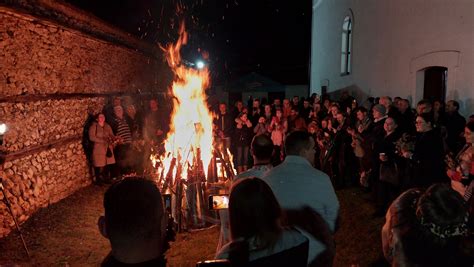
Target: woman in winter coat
point(428, 157)
point(102, 154)
point(387, 187)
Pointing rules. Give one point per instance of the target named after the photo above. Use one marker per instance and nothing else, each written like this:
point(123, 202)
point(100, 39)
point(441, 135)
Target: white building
point(414, 49)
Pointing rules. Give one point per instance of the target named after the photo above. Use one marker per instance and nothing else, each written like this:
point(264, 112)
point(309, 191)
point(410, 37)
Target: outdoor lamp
point(200, 64)
point(3, 130)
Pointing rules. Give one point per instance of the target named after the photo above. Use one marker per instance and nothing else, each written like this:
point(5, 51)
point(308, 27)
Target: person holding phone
point(243, 132)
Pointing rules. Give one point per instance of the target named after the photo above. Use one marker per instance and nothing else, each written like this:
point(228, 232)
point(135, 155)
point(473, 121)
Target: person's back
point(135, 224)
point(428, 229)
point(258, 238)
point(262, 150)
point(296, 183)
point(291, 249)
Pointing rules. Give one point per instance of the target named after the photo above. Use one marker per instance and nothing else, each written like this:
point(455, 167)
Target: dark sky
point(271, 37)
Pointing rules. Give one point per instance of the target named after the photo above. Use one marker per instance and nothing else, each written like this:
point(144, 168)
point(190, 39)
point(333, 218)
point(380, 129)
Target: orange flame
point(191, 120)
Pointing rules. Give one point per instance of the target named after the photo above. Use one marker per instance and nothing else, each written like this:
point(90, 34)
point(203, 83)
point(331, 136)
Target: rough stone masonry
point(54, 70)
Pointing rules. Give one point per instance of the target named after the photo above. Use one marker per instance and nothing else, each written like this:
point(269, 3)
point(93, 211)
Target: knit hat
point(380, 108)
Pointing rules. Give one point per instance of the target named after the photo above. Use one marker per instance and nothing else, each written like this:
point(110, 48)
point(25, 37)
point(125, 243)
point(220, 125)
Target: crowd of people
point(119, 139)
point(417, 164)
point(381, 143)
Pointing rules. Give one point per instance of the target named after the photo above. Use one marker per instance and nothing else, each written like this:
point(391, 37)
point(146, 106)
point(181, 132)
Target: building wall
point(52, 76)
point(392, 41)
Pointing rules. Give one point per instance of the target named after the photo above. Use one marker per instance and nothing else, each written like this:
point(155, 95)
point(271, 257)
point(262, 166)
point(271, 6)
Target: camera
point(218, 202)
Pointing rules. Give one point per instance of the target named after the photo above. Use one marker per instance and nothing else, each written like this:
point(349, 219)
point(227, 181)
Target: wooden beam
point(10, 156)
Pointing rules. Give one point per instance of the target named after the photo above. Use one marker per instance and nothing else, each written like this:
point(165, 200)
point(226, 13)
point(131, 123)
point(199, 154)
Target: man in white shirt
point(296, 183)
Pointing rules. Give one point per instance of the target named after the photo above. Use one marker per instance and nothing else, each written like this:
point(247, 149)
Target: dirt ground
point(65, 234)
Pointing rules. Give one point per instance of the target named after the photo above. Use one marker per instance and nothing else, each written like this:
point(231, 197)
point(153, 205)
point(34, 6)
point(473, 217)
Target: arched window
point(346, 46)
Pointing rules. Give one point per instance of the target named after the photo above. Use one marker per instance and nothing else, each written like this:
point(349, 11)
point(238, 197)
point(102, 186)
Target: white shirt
point(296, 183)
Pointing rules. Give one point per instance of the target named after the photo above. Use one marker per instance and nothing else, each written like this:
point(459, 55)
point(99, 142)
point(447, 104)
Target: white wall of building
point(392, 41)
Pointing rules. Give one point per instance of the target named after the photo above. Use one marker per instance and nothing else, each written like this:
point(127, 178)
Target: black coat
point(243, 136)
point(454, 126)
point(428, 159)
point(225, 123)
point(390, 168)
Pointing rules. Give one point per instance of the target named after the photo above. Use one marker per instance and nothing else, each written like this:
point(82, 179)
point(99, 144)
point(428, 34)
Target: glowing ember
point(190, 135)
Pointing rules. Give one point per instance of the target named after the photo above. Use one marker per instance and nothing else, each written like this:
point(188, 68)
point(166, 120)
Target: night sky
point(270, 37)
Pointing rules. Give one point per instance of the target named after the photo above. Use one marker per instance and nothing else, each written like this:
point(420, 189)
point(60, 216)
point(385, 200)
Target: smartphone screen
point(167, 199)
point(218, 202)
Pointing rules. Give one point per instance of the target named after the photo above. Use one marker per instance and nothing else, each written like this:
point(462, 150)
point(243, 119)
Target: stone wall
point(37, 180)
point(52, 76)
point(43, 58)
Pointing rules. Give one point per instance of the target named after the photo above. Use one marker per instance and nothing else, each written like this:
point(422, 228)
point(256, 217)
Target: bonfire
point(189, 146)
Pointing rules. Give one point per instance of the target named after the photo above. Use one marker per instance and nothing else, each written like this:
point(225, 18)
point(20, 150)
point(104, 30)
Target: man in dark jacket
point(454, 123)
point(224, 125)
point(406, 121)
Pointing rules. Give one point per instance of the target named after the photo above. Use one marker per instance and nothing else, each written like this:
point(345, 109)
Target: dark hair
point(254, 212)
point(470, 126)
point(455, 104)
point(133, 211)
point(262, 147)
point(394, 119)
point(361, 109)
point(96, 116)
point(241, 114)
point(427, 117)
point(425, 102)
point(414, 214)
point(296, 142)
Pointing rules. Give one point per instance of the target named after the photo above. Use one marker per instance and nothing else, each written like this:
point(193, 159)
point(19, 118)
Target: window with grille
point(346, 44)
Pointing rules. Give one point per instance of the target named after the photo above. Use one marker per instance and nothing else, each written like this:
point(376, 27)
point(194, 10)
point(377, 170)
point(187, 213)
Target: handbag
point(109, 152)
point(389, 173)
